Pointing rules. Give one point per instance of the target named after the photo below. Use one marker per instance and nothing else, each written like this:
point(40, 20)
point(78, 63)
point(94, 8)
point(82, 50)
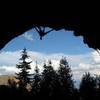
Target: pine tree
point(36, 81)
point(87, 87)
point(97, 87)
point(65, 79)
point(23, 76)
point(48, 80)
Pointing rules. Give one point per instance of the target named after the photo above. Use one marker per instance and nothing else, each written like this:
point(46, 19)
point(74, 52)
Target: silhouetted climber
point(41, 31)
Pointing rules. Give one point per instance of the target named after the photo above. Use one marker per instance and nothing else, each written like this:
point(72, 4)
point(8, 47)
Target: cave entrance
point(53, 45)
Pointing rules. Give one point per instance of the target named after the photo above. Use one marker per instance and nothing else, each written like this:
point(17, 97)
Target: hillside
point(4, 79)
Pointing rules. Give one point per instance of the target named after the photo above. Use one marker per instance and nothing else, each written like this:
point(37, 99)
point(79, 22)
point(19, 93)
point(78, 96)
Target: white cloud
point(8, 70)
point(80, 64)
point(9, 58)
point(28, 36)
point(88, 64)
point(96, 56)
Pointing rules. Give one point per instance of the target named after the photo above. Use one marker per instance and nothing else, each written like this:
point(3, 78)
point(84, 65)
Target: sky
point(53, 46)
point(54, 42)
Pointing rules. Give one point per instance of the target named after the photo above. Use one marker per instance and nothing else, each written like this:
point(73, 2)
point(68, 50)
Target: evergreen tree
point(23, 76)
point(36, 81)
point(48, 80)
point(65, 79)
point(97, 87)
point(87, 87)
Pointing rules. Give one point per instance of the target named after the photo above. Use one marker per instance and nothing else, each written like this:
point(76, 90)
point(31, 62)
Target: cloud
point(96, 57)
point(89, 62)
point(8, 70)
point(9, 58)
point(28, 36)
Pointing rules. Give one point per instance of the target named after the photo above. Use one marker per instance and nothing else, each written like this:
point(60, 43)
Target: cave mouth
point(86, 27)
point(53, 45)
point(44, 32)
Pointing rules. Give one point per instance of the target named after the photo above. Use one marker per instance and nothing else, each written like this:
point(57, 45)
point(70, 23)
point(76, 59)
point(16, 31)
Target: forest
point(49, 84)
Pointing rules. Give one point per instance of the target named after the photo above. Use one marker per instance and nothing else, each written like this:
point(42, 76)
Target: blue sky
point(55, 42)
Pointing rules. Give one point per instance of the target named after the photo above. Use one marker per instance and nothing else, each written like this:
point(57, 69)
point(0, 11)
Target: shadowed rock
point(81, 18)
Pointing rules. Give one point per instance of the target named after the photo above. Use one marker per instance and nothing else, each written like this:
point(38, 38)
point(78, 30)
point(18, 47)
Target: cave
point(83, 21)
